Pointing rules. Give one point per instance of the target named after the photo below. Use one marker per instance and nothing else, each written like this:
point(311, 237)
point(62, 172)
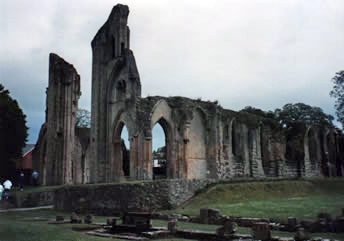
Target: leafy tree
point(83, 119)
point(13, 133)
point(294, 113)
point(338, 93)
point(259, 112)
point(300, 112)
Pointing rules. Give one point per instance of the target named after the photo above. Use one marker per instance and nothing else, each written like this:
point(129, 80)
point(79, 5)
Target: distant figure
point(7, 185)
point(1, 190)
point(35, 177)
point(21, 180)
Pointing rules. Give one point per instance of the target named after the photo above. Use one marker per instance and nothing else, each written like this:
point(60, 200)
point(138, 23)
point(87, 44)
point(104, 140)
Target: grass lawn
point(301, 199)
point(17, 226)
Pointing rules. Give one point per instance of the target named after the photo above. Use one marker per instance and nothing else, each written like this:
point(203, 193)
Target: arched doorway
point(160, 148)
point(121, 153)
point(125, 144)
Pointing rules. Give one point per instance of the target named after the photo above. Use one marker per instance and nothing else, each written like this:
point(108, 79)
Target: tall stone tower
point(115, 84)
point(63, 95)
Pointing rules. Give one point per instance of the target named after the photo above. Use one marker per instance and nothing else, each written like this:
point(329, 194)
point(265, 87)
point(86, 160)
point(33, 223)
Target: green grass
point(15, 226)
point(302, 199)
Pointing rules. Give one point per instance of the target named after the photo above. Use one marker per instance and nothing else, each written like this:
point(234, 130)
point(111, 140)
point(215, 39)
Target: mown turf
point(302, 199)
point(15, 226)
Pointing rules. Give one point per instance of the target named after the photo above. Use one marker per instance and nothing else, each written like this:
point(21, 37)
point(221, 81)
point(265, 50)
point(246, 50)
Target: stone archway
point(162, 115)
point(166, 170)
point(121, 167)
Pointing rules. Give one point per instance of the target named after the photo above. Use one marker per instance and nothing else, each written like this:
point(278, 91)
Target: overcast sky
point(263, 53)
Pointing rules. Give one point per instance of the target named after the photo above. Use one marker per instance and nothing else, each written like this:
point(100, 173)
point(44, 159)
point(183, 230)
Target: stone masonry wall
point(63, 94)
point(27, 200)
point(110, 199)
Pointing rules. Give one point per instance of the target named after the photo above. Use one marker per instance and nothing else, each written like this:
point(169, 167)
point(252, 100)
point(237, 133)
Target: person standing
point(1, 190)
point(35, 177)
point(7, 185)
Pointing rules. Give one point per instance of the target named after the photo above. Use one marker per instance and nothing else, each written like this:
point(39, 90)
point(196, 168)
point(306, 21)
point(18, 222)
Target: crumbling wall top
point(118, 17)
point(62, 70)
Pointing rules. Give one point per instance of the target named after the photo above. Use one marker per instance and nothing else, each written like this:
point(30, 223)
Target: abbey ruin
point(203, 140)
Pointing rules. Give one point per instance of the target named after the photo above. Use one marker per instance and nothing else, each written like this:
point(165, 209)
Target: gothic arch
point(116, 147)
point(161, 110)
point(162, 114)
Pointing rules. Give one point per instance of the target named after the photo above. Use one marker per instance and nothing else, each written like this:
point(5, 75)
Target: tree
point(302, 113)
point(294, 113)
point(338, 93)
point(259, 112)
point(83, 118)
point(13, 133)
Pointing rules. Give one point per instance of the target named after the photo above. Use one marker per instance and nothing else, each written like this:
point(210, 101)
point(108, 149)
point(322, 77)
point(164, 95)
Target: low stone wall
point(27, 200)
point(34, 199)
point(112, 199)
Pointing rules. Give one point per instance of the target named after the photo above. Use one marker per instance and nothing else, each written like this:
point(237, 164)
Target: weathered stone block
point(306, 224)
point(230, 227)
point(195, 219)
point(75, 218)
point(204, 215)
point(292, 223)
point(325, 216)
point(88, 219)
point(301, 235)
point(319, 226)
point(261, 231)
point(209, 215)
point(213, 215)
point(172, 226)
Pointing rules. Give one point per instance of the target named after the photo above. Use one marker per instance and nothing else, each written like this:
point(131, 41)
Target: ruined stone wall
point(273, 147)
point(80, 157)
point(57, 146)
point(203, 140)
point(115, 81)
point(194, 129)
point(62, 97)
point(112, 199)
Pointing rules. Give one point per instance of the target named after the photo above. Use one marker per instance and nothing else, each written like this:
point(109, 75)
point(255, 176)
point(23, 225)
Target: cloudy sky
point(263, 53)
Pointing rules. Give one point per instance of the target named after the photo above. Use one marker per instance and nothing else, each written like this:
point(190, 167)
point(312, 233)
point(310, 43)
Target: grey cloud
point(259, 53)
